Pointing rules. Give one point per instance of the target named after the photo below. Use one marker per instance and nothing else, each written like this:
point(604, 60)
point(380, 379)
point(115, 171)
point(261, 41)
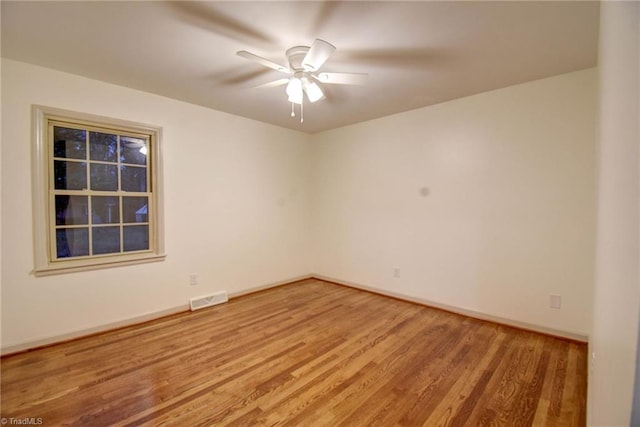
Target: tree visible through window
point(101, 205)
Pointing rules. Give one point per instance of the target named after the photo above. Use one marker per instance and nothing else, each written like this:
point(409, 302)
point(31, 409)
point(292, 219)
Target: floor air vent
point(208, 300)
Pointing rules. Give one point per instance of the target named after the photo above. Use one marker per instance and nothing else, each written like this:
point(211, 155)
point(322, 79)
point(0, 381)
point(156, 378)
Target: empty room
point(320, 213)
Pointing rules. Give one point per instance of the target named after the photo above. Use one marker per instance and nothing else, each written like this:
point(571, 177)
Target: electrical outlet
point(193, 279)
point(396, 272)
point(555, 301)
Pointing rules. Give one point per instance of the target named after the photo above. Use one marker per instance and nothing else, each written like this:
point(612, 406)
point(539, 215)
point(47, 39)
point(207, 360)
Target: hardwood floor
point(305, 354)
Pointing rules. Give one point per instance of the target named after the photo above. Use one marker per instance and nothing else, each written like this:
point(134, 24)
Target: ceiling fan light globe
point(294, 91)
point(314, 93)
point(294, 87)
point(295, 99)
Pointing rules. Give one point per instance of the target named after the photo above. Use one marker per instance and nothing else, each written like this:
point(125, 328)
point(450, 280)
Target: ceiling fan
point(304, 75)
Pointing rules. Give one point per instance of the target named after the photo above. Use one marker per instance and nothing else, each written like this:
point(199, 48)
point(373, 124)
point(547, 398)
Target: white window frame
point(44, 211)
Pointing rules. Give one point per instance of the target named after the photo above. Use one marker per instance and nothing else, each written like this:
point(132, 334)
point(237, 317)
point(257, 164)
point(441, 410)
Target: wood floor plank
point(478, 362)
point(308, 353)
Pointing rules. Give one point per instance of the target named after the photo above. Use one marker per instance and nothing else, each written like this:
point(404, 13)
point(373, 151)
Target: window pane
point(105, 210)
point(133, 150)
point(134, 209)
point(104, 177)
point(69, 143)
point(134, 178)
point(106, 240)
point(103, 146)
point(72, 242)
point(136, 237)
point(72, 210)
point(70, 175)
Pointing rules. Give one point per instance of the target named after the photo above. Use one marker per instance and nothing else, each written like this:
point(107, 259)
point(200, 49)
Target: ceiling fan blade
point(263, 61)
point(279, 82)
point(318, 54)
point(209, 16)
point(343, 78)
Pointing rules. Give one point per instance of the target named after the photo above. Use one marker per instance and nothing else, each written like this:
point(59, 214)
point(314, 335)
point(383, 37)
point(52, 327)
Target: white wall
point(617, 290)
point(510, 213)
point(509, 218)
point(236, 209)
point(0, 192)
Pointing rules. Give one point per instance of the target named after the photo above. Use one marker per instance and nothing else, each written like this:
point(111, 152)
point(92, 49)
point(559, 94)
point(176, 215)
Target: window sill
point(62, 269)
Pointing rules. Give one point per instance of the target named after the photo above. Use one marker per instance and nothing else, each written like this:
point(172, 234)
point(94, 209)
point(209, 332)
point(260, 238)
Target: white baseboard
point(465, 312)
point(185, 307)
point(30, 345)
point(270, 285)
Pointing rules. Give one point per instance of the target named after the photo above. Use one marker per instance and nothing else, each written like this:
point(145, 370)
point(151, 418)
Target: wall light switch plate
point(555, 301)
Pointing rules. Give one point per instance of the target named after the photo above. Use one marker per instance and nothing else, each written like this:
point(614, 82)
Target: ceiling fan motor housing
point(295, 55)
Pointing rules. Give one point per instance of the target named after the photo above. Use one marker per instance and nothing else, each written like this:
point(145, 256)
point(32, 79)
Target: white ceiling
point(416, 53)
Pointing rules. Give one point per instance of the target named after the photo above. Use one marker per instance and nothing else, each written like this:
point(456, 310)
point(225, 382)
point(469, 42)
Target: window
point(97, 192)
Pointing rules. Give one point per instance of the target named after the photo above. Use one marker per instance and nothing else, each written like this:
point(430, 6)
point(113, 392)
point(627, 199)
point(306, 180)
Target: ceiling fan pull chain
point(302, 112)
point(293, 113)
